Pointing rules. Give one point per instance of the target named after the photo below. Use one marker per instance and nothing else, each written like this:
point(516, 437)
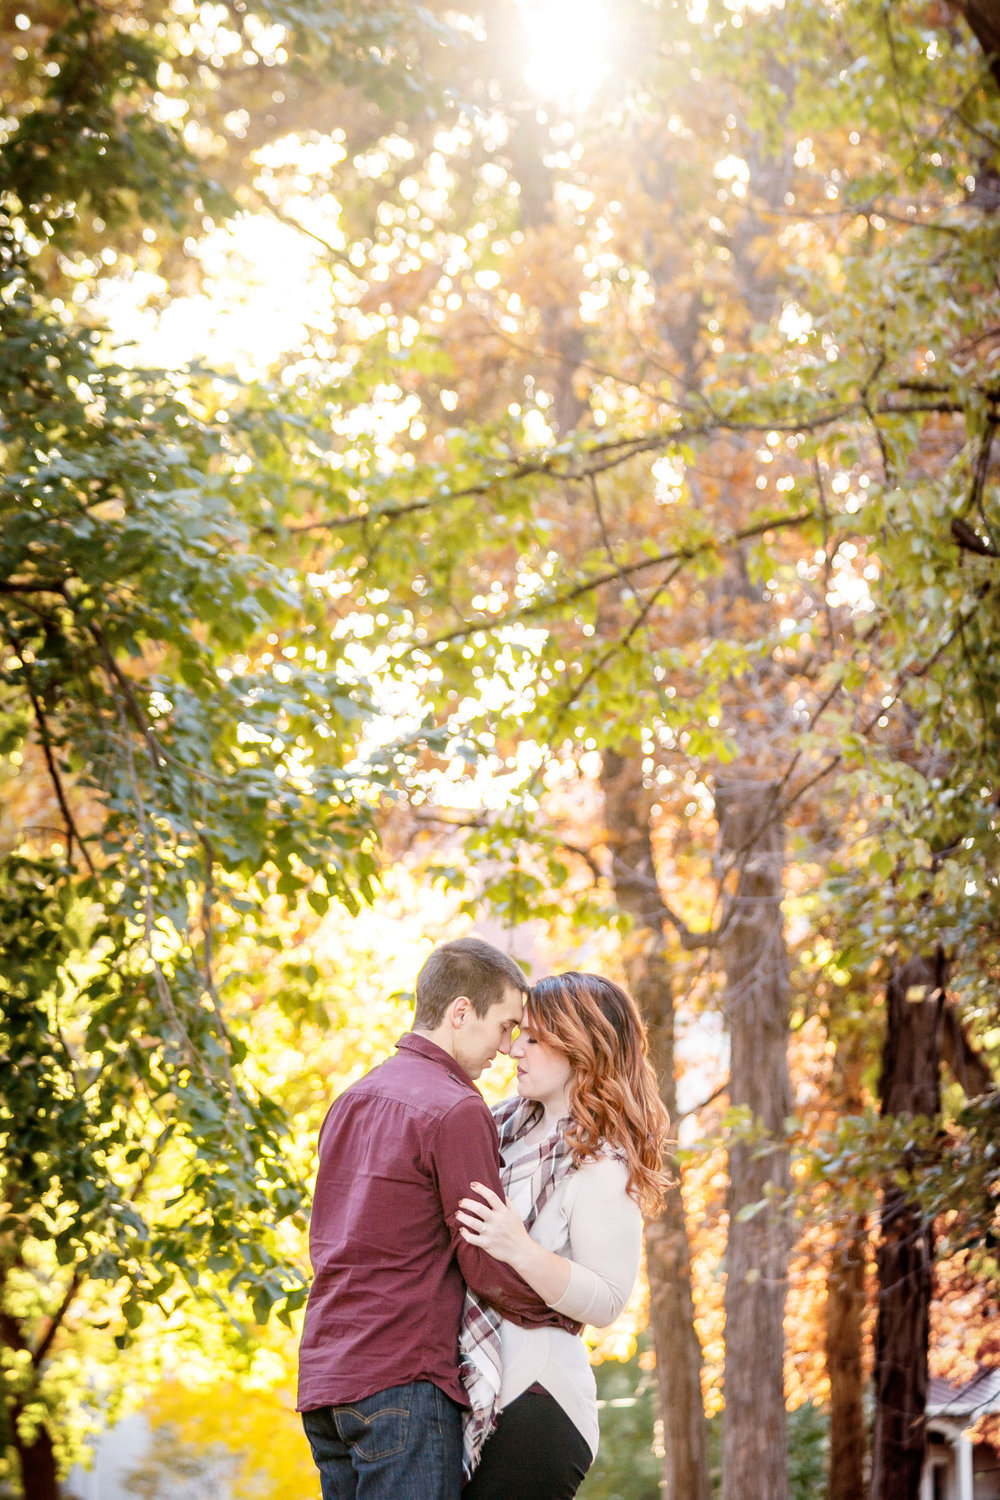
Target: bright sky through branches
point(569, 45)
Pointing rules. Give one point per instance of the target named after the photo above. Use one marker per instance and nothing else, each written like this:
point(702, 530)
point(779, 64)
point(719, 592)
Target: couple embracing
point(458, 1252)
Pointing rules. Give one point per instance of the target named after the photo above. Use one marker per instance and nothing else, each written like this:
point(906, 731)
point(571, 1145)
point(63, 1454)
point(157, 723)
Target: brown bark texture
point(37, 1462)
point(33, 1448)
point(754, 1423)
point(969, 1067)
point(845, 1309)
point(844, 1336)
point(668, 1259)
point(983, 17)
point(910, 1085)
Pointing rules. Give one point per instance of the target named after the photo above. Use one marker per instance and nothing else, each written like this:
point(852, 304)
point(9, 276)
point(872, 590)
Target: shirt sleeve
point(605, 1242)
point(466, 1150)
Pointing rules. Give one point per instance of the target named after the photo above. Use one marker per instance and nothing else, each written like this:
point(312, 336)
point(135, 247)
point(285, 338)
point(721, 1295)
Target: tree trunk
point(983, 17)
point(32, 1442)
point(910, 1085)
point(754, 1424)
point(668, 1260)
point(845, 1303)
point(675, 1340)
point(845, 1308)
point(37, 1460)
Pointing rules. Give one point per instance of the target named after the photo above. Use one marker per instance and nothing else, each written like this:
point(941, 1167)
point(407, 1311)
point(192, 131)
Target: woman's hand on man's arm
point(492, 1225)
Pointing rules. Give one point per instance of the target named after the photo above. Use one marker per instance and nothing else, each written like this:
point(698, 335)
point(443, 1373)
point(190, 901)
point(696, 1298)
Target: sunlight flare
point(569, 45)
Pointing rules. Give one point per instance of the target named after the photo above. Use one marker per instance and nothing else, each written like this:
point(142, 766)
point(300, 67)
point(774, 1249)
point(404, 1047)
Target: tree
point(756, 1002)
point(690, 409)
point(648, 968)
point(183, 782)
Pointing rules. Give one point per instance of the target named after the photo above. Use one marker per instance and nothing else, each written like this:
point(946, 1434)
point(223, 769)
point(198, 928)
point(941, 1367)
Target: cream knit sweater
point(591, 1220)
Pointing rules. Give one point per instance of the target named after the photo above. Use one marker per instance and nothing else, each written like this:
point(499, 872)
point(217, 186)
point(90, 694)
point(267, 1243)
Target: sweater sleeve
point(605, 1242)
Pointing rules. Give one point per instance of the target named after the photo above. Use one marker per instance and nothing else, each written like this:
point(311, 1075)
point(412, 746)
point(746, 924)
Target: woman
point(582, 1156)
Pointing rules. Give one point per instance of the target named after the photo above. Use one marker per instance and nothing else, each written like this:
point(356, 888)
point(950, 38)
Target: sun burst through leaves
point(569, 48)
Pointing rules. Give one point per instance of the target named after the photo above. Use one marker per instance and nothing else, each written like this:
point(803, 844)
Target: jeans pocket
point(381, 1431)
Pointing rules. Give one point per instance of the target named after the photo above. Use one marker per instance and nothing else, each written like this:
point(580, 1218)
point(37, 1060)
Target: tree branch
point(969, 1066)
point(53, 1322)
point(72, 832)
point(33, 586)
point(601, 457)
point(622, 571)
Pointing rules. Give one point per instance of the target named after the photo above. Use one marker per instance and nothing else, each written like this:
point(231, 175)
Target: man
point(379, 1386)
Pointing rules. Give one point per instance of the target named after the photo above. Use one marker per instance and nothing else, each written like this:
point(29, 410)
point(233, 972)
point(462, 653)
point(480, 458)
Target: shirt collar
point(424, 1047)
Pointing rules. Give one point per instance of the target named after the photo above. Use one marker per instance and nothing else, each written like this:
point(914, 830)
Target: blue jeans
point(404, 1443)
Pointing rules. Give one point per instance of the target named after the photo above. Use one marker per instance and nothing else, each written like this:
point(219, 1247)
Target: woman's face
point(543, 1072)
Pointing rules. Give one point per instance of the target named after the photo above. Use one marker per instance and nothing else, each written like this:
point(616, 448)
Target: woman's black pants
point(534, 1453)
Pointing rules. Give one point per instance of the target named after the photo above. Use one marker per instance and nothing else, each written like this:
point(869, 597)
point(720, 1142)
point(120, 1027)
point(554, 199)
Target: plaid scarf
point(546, 1164)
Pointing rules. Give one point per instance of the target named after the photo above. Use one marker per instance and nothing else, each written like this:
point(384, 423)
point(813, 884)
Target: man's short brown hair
point(468, 966)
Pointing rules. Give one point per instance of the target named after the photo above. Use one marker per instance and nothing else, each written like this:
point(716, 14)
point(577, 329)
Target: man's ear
point(459, 1008)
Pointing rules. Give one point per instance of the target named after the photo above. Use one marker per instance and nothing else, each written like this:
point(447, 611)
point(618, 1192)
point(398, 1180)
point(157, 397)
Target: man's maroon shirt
point(397, 1151)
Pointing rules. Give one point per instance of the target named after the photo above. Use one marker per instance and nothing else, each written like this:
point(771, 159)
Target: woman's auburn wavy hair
point(613, 1094)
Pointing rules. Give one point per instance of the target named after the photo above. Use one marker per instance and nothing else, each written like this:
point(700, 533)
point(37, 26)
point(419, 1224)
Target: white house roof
point(974, 1399)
